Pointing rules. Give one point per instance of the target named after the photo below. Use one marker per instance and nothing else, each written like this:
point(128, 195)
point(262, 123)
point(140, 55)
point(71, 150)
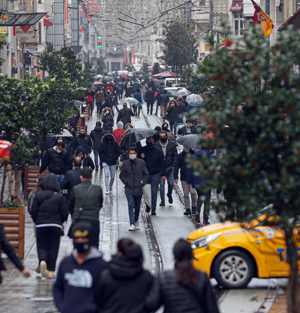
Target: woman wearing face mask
point(172, 115)
point(108, 120)
point(86, 159)
point(134, 175)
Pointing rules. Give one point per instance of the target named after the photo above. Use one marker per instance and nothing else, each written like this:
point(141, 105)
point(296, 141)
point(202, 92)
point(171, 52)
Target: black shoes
point(97, 168)
point(187, 212)
point(153, 213)
point(170, 199)
point(147, 208)
point(162, 204)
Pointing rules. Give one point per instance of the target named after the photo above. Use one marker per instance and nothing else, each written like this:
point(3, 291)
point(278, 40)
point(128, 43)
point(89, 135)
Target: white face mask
point(186, 149)
point(58, 151)
point(60, 141)
point(132, 157)
point(107, 112)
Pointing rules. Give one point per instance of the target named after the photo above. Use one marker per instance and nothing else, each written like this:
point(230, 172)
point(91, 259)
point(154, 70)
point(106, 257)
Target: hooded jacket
point(172, 112)
point(125, 115)
point(118, 133)
point(108, 120)
point(87, 160)
point(134, 175)
point(170, 134)
point(193, 179)
point(163, 99)
point(57, 163)
point(123, 287)
point(75, 284)
point(138, 97)
point(109, 151)
point(171, 155)
point(96, 135)
point(49, 206)
point(154, 159)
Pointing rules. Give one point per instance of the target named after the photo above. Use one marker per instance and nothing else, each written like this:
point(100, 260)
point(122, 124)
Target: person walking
point(163, 101)
point(109, 153)
point(170, 134)
point(49, 211)
point(9, 250)
point(99, 100)
point(181, 164)
point(170, 156)
point(118, 133)
point(79, 273)
point(155, 162)
point(149, 99)
point(121, 89)
point(181, 109)
point(90, 101)
point(198, 182)
point(183, 289)
point(124, 285)
point(86, 159)
point(84, 141)
point(136, 85)
point(144, 88)
point(97, 135)
point(134, 175)
point(125, 115)
point(172, 115)
point(57, 161)
point(72, 177)
point(108, 120)
point(137, 107)
point(86, 202)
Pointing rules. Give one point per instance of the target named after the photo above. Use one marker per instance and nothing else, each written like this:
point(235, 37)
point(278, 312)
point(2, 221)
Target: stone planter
point(14, 225)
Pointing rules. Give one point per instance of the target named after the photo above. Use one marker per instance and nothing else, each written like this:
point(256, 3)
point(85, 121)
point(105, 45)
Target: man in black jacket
point(125, 115)
point(181, 164)
point(84, 141)
point(134, 175)
point(170, 156)
point(109, 153)
point(96, 135)
point(72, 177)
point(155, 162)
point(149, 99)
point(57, 161)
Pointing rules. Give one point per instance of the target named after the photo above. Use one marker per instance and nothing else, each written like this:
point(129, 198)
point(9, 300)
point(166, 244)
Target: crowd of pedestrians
point(85, 282)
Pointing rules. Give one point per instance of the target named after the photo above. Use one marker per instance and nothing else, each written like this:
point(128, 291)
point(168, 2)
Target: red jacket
point(118, 133)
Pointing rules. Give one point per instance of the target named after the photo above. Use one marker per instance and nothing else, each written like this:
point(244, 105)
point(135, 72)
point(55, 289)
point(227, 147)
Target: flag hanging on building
point(261, 18)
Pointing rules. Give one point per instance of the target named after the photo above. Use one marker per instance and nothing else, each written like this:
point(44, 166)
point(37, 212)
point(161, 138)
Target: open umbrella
point(135, 135)
point(98, 83)
point(192, 141)
point(194, 100)
point(130, 101)
point(182, 92)
point(5, 150)
point(99, 76)
point(65, 133)
point(124, 76)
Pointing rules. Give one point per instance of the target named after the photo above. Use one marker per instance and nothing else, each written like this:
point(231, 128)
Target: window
point(149, 51)
point(238, 23)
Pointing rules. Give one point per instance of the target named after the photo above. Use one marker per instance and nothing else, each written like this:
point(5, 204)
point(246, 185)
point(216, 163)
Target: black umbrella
point(135, 135)
point(192, 141)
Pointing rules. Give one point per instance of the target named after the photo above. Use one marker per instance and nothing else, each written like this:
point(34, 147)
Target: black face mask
point(163, 140)
point(149, 144)
point(81, 135)
point(165, 128)
point(109, 141)
point(82, 247)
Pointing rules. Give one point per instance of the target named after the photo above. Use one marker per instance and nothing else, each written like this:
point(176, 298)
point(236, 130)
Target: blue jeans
point(134, 205)
point(173, 127)
point(37, 160)
point(97, 157)
point(170, 179)
point(153, 181)
point(206, 197)
point(60, 178)
point(158, 106)
point(112, 170)
point(116, 105)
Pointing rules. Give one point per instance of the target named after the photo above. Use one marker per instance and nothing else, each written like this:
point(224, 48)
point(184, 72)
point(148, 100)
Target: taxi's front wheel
point(233, 269)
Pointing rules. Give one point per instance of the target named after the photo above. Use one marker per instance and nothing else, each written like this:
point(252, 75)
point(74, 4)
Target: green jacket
point(93, 202)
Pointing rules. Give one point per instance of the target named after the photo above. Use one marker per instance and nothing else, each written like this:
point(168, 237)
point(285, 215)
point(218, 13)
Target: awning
point(47, 22)
point(32, 52)
point(19, 19)
point(237, 6)
point(36, 66)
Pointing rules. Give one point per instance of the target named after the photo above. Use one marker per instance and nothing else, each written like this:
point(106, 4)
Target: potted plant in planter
point(12, 216)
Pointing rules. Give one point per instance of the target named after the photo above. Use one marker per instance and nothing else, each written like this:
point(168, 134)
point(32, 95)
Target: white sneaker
point(107, 192)
point(43, 269)
point(137, 225)
point(132, 227)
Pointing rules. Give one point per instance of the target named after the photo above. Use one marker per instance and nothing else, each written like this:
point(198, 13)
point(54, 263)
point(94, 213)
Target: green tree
point(101, 66)
point(195, 83)
point(180, 45)
point(88, 74)
point(257, 127)
point(2, 42)
point(155, 69)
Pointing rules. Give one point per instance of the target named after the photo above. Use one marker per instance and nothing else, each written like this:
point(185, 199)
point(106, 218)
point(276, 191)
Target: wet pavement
point(34, 295)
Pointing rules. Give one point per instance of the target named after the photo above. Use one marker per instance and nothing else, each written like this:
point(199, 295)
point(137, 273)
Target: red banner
point(125, 56)
point(132, 55)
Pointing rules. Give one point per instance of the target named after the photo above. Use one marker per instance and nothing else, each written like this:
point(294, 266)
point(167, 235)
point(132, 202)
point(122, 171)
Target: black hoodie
point(49, 206)
point(109, 150)
point(96, 136)
point(123, 287)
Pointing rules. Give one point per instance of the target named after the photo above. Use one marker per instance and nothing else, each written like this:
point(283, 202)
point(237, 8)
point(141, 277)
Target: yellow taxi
point(233, 253)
